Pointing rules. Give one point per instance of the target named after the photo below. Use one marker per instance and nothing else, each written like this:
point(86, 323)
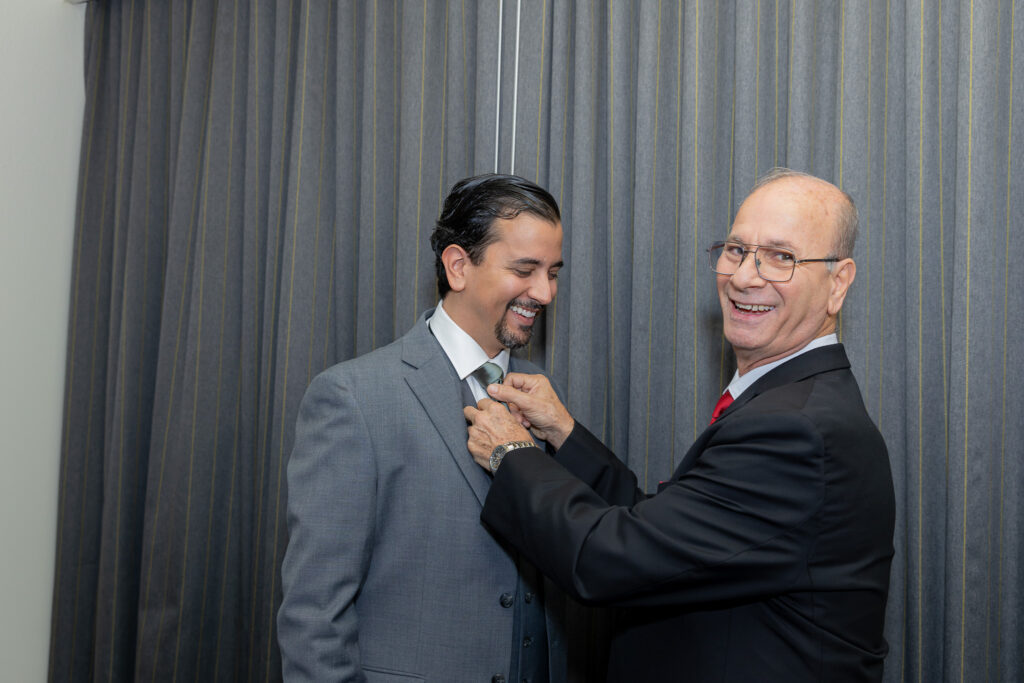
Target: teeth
point(753, 308)
point(526, 313)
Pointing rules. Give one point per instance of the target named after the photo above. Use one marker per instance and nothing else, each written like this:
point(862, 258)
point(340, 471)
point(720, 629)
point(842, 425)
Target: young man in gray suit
point(389, 574)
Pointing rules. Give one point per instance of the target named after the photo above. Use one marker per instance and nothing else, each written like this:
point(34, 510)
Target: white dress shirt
point(463, 352)
point(739, 383)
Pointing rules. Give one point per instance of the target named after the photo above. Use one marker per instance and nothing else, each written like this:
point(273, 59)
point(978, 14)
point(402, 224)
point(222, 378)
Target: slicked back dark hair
point(469, 210)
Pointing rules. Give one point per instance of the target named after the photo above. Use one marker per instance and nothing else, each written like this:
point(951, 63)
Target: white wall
point(42, 96)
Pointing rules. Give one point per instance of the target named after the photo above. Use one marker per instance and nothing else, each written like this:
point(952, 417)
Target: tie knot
point(724, 401)
point(489, 373)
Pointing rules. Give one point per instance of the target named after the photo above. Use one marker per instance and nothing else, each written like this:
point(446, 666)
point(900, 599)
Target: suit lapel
point(803, 366)
point(435, 385)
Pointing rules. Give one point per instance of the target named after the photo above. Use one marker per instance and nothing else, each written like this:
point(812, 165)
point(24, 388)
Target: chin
point(740, 342)
point(518, 342)
point(512, 341)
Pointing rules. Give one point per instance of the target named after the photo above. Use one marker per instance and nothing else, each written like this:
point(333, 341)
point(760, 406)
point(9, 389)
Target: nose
point(746, 274)
point(542, 288)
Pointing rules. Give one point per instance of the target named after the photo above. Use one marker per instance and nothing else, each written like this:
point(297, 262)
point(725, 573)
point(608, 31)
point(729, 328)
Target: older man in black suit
point(766, 555)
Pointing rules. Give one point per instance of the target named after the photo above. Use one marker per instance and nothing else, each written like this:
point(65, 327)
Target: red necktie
point(724, 401)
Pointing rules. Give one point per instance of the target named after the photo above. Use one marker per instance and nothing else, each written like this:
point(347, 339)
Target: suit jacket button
point(498, 678)
point(528, 597)
point(506, 600)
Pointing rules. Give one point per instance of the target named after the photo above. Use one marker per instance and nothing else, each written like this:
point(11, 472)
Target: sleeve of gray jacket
point(331, 503)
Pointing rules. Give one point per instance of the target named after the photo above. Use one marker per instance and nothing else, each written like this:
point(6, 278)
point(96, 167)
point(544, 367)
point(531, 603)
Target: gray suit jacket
point(389, 574)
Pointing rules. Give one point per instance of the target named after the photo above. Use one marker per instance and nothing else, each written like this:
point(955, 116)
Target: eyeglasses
point(773, 264)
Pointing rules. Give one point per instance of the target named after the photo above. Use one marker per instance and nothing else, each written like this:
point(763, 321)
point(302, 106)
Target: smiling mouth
point(752, 308)
point(528, 313)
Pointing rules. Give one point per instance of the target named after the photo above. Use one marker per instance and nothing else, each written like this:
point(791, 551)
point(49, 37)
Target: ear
point(843, 274)
point(455, 260)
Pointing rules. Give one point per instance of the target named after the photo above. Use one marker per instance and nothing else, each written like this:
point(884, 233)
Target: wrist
point(501, 450)
point(561, 432)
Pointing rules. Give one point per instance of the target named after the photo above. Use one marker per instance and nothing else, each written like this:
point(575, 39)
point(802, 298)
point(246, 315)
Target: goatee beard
point(504, 334)
point(510, 341)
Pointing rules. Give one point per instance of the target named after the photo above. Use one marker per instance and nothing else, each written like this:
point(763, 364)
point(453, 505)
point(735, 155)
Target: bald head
point(834, 205)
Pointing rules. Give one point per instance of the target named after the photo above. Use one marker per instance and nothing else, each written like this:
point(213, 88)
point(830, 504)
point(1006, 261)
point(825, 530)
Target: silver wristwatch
point(501, 451)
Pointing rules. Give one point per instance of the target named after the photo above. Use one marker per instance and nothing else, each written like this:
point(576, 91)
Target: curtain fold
point(258, 184)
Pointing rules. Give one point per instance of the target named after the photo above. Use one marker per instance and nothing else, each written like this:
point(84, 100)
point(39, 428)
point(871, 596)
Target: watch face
point(499, 452)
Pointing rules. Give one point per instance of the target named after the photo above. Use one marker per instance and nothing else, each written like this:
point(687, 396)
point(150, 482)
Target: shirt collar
point(462, 350)
point(740, 384)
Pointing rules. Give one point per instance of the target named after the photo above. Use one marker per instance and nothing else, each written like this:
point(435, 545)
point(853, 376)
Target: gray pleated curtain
point(258, 183)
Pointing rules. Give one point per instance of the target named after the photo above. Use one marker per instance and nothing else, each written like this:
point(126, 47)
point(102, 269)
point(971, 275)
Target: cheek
point(804, 308)
point(507, 291)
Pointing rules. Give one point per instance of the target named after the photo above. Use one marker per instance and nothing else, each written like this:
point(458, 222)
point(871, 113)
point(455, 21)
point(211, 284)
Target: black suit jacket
point(766, 555)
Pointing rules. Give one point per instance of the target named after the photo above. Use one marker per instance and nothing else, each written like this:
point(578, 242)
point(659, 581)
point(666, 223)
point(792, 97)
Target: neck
point(745, 364)
point(486, 340)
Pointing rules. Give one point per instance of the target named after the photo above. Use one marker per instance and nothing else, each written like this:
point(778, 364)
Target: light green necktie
point(489, 373)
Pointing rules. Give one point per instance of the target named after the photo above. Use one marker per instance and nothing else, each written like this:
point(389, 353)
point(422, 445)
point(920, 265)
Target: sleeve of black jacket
point(734, 526)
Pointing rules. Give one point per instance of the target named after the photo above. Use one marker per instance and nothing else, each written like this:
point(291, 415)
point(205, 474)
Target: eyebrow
point(780, 244)
point(526, 261)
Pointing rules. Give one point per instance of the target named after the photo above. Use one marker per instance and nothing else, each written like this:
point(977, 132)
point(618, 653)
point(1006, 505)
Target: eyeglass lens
point(772, 264)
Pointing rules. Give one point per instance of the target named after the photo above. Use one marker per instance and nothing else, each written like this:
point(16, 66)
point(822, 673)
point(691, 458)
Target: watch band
point(500, 451)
